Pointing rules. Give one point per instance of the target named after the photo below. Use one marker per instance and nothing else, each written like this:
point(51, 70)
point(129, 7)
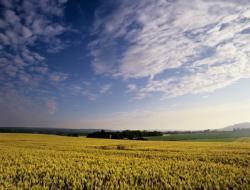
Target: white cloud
point(58, 77)
point(11, 17)
point(201, 39)
point(27, 26)
point(90, 95)
point(26, 32)
point(132, 87)
point(105, 88)
point(91, 90)
point(23, 27)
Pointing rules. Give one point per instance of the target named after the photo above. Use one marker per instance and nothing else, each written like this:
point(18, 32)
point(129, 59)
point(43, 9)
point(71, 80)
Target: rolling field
point(222, 136)
point(54, 162)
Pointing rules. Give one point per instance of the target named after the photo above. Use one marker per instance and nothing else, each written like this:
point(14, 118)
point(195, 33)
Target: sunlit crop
point(54, 162)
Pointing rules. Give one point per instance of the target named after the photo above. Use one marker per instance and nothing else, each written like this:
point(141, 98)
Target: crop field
point(54, 162)
point(219, 136)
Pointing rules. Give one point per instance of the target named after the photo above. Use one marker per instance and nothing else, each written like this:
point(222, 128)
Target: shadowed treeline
point(52, 131)
point(127, 134)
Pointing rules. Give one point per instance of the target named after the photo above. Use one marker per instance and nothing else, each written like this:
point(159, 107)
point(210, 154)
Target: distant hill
point(237, 126)
point(54, 131)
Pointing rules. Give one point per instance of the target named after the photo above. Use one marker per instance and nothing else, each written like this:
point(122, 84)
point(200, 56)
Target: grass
point(220, 136)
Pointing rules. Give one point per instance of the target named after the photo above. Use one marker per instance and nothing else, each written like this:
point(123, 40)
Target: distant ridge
point(237, 126)
point(55, 131)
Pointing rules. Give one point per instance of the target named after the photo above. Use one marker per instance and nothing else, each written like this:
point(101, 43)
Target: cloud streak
point(91, 90)
point(206, 42)
point(52, 106)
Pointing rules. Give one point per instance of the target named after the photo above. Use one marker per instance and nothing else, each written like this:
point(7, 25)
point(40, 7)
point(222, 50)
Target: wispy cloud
point(90, 95)
point(105, 88)
point(91, 90)
point(207, 42)
point(58, 77)
point(25, 27)
point(132, 87)
point(52, 106)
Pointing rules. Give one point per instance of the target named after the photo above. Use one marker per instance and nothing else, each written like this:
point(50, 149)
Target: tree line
point(127, 134)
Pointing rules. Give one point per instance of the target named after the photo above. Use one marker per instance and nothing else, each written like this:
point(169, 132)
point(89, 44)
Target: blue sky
point(164, 64)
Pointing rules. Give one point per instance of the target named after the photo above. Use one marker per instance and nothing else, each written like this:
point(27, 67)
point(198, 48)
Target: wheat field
point(55, 162)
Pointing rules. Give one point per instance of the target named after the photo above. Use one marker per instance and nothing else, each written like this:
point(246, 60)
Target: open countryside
point(124, 94)
point(34, 161)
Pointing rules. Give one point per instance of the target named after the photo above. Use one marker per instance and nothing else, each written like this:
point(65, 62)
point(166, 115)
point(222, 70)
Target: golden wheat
point(54, 162)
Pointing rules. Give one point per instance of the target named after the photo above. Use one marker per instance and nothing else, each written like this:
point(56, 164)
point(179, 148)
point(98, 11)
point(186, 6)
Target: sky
point(124, 64)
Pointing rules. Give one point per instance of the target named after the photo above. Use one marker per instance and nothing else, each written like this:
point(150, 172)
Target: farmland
point(213, 136)
point(29, 161)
